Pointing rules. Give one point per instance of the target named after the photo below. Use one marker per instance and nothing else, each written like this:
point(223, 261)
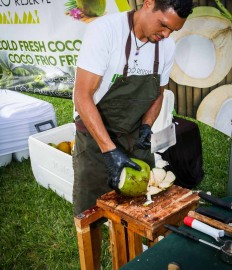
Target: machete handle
point(213, 214)
point(214, 200)
point(182, 233)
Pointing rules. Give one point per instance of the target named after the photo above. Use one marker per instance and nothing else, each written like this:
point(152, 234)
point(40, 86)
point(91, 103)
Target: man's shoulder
point(168, 43)
point(109, 25)
point(112, 18)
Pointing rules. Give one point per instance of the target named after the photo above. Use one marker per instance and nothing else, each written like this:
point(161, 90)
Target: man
point(123, 67)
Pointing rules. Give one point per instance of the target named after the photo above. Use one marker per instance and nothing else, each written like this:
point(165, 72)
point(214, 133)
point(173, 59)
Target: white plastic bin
point(20, 117)
point(51, 167)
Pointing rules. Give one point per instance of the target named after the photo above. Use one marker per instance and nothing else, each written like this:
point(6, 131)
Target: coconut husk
point(215, 109)
point(205, 23)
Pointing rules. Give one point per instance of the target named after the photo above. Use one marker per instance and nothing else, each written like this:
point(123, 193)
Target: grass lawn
point(37, 230)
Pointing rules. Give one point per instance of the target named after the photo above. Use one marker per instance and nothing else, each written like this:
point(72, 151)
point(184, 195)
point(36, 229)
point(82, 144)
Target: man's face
point(159, 25)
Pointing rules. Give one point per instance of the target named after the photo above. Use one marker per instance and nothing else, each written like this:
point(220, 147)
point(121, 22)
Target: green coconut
point(52, 145)
point(132, 182)
point(92, 8)
point(203, 49)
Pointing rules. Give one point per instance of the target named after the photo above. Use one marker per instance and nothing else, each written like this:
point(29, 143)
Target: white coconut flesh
point(224, 117)
point(203, 49)
point(215, 109)
point(160, 163)
point(168, 180)
point(158, 175)
point(165, 183)
point(154, 190)
point(122, 178)
point(195, 56)
point(151, 180)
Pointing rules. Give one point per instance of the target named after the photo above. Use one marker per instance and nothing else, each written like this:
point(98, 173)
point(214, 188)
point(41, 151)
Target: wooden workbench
point(130, 220)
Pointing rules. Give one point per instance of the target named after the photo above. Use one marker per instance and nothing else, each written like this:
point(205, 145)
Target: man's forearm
point(86, 85)
point(93, 122)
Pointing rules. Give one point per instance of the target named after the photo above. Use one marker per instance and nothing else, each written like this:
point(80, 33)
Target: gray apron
point(121, 109)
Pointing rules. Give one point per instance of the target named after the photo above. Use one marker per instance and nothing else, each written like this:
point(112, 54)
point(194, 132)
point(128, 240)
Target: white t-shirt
point(103, 52)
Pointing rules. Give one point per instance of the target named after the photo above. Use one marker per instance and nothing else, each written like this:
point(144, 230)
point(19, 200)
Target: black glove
point(144, 141)
point(115, 161)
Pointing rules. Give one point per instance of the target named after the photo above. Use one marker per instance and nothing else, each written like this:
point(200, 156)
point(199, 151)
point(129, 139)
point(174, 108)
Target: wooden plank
point(181, 100)
point(176, 220)
point(96, 241)
point(134, 244)
point(210, 221)
point(118, 244)
point(133, 225)
point(85, 249)
point(89, 239)
point(189, 101)
point(173, 87)
point(156, 217)
point(89, 216)
point(197, 98)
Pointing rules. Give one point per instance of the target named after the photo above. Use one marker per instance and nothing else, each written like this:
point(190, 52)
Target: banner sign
point(40, 41)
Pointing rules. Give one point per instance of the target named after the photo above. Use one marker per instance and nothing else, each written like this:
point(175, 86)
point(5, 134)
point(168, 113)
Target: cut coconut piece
point(161, 163)
point(170, 177)
point(203, 49)
point(165, 184)
point(215, 109)
point(168, 180)
point(159, 175)
point(153, 190)
point(132, 182)
point(149, 200)
point(151, 180)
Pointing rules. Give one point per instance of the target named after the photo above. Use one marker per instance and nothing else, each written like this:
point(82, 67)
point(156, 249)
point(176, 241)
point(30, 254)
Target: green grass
point(216, 153)
point(37, 230)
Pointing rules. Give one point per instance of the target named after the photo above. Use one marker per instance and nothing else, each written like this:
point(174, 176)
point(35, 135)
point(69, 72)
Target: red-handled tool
point(202, 227)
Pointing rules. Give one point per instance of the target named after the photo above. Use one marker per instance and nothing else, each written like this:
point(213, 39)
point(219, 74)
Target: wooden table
point(130, 220)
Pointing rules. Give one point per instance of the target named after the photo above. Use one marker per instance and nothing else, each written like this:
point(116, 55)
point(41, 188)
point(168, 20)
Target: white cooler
point(51, 167)
point(20, 117)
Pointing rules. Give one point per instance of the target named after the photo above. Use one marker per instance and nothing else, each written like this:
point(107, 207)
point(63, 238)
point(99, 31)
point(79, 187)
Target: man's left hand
point(144, 141)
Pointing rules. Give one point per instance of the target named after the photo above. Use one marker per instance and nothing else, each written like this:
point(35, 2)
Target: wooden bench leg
point(134, 244)
point(118, 244)
point(89, 238)
point(85, 248)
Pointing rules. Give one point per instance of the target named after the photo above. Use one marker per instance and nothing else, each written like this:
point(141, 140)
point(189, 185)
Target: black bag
point(185, 157)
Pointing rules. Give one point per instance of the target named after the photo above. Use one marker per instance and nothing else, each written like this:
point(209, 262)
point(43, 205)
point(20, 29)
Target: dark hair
point(182, 7)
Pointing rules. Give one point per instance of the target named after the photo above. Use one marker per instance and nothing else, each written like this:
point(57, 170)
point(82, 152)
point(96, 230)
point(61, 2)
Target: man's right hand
point(115, 161)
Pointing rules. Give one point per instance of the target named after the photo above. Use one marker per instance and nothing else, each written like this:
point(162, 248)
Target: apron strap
point(130, 15)
point(156, 62)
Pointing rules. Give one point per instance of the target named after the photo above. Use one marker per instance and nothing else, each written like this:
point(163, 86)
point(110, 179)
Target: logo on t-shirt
point(115, 77)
